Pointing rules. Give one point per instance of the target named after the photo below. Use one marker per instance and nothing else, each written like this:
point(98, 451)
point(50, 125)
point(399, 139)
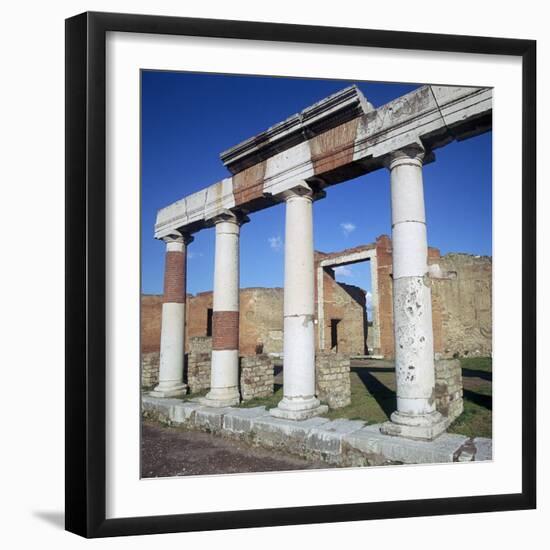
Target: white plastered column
point(224, 378)
point(172, 336)
point(299, 401)
point(416, 416)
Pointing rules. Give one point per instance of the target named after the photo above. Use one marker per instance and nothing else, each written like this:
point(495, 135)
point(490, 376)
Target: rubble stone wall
point(332, 379)
point(198, 371)
point(149, 369)
point(448, 388)
point(257, 376)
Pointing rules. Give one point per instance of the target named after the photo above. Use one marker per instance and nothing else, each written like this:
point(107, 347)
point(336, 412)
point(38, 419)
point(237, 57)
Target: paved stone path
point(174, 452)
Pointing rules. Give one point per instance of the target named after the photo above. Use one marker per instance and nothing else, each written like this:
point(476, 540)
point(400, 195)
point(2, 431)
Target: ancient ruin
point(295, 161)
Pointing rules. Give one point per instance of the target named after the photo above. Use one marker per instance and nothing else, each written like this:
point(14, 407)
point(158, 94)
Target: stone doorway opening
point(347, 301)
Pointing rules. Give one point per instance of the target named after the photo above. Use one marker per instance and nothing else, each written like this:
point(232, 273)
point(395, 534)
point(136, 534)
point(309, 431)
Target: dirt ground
point(169, 452)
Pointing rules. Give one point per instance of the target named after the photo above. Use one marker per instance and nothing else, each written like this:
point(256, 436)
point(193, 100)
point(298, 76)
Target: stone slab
point(369, 440)
point(328, 437)
point(210, 418)
point(274, 431)
point(160, 405)
point(184, 412)
point(298, 415)
point(240, 421)
point(484, 448)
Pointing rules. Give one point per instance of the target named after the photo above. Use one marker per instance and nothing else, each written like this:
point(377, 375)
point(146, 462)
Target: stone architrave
point(224, 385)
point(172, 337)
point(299, 401)
point(416, 416)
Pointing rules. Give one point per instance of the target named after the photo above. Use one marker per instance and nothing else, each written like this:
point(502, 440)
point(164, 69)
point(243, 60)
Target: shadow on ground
point(57, 519)
point(383, 394)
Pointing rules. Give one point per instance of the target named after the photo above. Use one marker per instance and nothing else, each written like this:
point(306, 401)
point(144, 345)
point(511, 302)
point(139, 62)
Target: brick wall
point(385, 292)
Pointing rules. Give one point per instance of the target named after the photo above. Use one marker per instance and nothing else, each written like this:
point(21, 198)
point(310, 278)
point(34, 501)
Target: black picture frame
point(86, 262)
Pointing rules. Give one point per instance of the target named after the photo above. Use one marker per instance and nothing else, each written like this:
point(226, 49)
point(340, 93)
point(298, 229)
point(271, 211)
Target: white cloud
point(347, 228)
point(276, 243)
point(343, 271)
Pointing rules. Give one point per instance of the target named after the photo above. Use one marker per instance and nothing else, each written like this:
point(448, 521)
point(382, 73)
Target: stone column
point(299, 401)
point(172, 336)
point(416, 416)
point(224, 385)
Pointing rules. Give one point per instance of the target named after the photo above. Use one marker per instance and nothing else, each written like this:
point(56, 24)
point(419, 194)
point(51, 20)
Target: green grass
point(373, 397)
point(267, 402)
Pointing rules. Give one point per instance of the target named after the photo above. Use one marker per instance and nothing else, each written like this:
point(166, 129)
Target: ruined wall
point(461, 310)
point(384, 292)
point(149, 369)
point(256, 377)
point(199, 366)
point(448, 388)
point(466, 308)
point(332, 379)
point(261, 321)
point(151, 309)
point(345, 303)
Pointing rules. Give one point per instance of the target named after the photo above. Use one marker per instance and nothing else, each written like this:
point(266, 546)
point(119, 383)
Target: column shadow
point(278, 378)
point(474, 373)
point(485, 401)
point(384, 396)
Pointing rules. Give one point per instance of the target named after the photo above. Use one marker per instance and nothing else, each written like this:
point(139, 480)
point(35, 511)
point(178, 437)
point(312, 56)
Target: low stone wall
point(198, 371)
point(200, 344)
point(332, 379)
point(448, 388)
point(150, 369)
point(340, 442)
point(257, 376)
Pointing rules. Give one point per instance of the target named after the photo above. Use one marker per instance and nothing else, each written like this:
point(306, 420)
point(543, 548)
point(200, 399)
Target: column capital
point(237, 217)
point(179, 237)
point(414, 154)
point(302, 190)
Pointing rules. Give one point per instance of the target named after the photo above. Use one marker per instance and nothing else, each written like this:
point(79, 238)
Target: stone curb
point(342, 441)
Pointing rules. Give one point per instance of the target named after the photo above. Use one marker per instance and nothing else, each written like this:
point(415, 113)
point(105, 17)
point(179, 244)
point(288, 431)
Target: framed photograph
point(300, 277)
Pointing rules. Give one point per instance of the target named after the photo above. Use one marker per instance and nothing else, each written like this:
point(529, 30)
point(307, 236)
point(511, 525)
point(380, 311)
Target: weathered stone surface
point(149, 369)
point(413, 118)
point(332, 379)
point(466, 308)
point(199, 344)
point(210, 419)
point(279, 432)
point(183, 413)
point(241, 421)
point(256, 377)
point(484, 448)
point(199, 366)
point(448, 388)
point(161, 406)
point(369, 440)
point(328, 437)
point(342, 441)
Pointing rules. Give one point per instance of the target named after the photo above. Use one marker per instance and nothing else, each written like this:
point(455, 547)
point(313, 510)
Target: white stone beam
point(431, 115)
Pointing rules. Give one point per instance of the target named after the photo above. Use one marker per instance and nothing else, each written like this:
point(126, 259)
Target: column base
point(224, 397)
point(298, 408)
point(178, 390)
point(425, 427)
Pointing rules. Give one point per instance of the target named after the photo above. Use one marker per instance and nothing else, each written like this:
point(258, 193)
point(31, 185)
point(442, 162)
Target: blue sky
point(189, 118)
